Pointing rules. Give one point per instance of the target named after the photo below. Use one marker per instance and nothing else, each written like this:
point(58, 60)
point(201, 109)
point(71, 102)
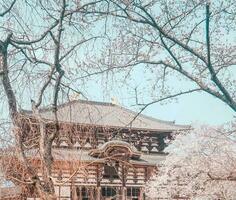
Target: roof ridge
point(68, 103)
point(85, 102)
point(95, 102)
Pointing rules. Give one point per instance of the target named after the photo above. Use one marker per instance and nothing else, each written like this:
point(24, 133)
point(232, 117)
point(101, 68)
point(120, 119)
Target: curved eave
point(67, 156)
point(175, 127)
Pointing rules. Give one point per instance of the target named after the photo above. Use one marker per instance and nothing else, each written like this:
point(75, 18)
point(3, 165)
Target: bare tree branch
point(214, 77)
point(8, 10)
point(160, 100)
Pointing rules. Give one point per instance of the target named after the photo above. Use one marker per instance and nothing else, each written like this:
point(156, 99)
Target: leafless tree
point(191, 40)
point(39, 40)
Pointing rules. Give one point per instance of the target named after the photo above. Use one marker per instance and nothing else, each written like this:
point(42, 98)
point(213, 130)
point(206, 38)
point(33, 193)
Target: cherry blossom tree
point(201, 165)
point(191, 41)
point(39, 41)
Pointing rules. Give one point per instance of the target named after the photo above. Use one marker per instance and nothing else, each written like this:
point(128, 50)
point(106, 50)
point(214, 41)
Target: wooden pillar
point(99, 178)
point(98, 193)
point(141, 194)
point(73, 190)
point(91, 193)
point(80, 193)
point(123, 193)
point(74, 193)
point(59, 188)
point(123, 189)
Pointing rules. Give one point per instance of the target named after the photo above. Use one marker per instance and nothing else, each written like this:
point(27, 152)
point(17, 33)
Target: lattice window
point(111, 172)
point(108, 192)
point(133, 192)
point(83, 192)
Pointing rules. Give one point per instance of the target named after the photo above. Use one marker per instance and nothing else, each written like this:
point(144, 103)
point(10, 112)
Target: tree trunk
point(44, 188)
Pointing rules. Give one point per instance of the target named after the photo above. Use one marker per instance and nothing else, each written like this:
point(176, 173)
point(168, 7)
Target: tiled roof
point(70, 155)
point(108, 115)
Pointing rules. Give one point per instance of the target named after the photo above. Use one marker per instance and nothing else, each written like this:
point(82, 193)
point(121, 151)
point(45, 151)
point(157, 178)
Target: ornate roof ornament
point(116, 148)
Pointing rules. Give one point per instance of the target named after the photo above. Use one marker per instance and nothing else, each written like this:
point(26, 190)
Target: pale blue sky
point(194, 108)
point(198, 107)
point(191, 108)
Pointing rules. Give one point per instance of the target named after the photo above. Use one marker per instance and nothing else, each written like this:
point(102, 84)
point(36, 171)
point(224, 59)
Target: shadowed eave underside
point(83, 156)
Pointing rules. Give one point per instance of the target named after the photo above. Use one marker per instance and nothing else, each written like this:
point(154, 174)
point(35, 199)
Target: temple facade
point(103, 151)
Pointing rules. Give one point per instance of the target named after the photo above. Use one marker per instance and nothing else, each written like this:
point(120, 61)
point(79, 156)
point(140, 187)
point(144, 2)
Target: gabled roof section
point(103, 151)
point(107, 115)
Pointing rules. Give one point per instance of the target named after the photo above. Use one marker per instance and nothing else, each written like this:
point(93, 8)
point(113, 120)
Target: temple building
point(103, 151)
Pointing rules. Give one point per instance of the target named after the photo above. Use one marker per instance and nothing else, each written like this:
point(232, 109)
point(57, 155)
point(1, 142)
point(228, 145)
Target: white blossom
point(200, 165)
